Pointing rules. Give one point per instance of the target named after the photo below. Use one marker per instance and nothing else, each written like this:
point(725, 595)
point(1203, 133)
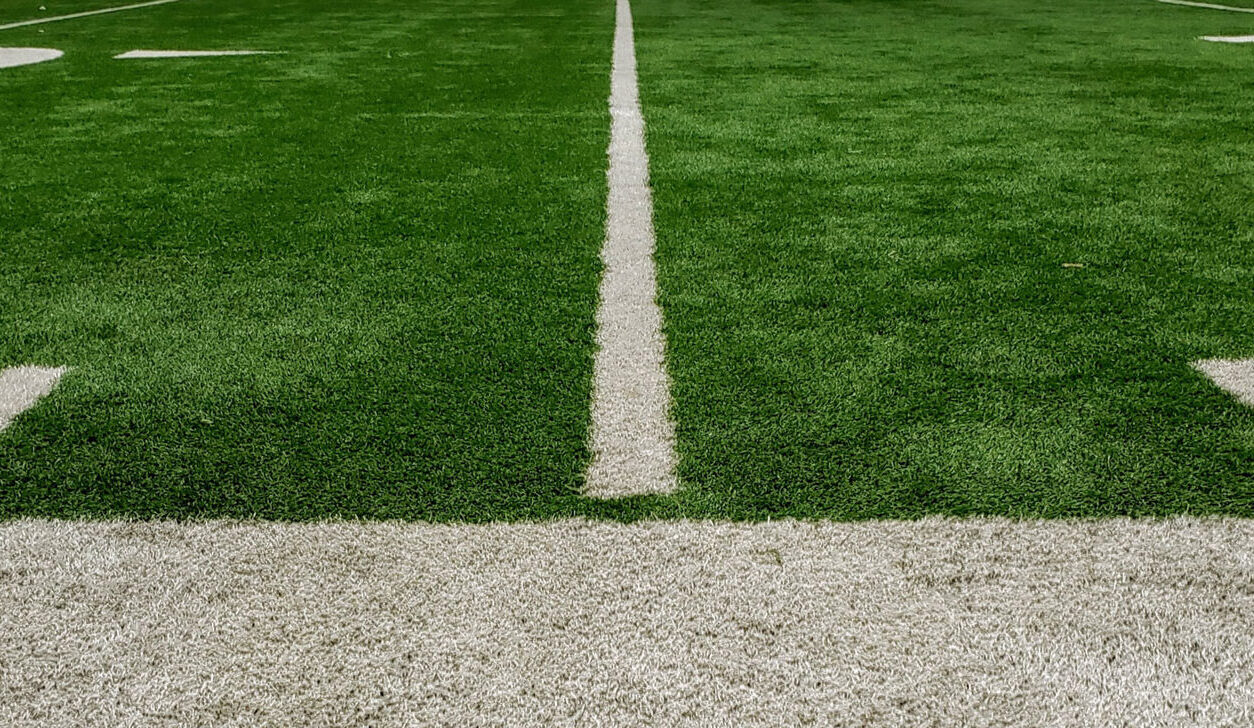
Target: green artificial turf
point(14, 11)
point(864, 210)
point(358, 279)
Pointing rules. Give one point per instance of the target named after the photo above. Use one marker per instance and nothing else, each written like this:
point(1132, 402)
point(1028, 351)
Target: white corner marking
point(21, 387)
point(1234, 376)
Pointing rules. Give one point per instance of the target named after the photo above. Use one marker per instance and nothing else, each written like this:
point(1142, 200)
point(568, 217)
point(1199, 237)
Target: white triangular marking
point(10, 57)
point(21, 387)
point(1235, 376)
point(190, 54)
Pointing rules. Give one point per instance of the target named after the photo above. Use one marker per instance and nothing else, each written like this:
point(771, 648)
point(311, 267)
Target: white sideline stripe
point(1234, 376)
point(945, 622)
point(1229, 38)
point(1207, 5)
point(190, 54)
point(119, 8)
point(632, 437)
point(21, 388)
point(11, 57)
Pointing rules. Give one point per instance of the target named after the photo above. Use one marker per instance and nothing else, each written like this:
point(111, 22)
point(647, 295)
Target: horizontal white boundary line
point(21, 387)
point(632, 437)
point(1229, 38)
point(973, 622)
point(119, 8)
point(13, 57)
point(190, 54)
point(1211, 6)
point(1234, 376)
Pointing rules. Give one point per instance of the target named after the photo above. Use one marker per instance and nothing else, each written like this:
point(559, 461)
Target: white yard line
point(1211, 6)
point(1229, 38)
point(632, 437)
point(11, 57)
point(21, 388)
point(189, 54)
point(974, 622)
point(1234, 376)
point(55, 18)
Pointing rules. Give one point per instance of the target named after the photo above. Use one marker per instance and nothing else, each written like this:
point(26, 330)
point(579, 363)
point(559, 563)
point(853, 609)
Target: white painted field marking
point(71, 16)
point(190, 54)
point(10, 57)
point(684, 624)
point(1229, 38)
point(632, 436)
point(1235, 376)
point(1211, 6)
point(21, 387)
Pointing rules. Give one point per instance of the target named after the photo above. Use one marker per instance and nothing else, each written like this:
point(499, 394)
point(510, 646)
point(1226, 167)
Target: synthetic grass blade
point(633, 438)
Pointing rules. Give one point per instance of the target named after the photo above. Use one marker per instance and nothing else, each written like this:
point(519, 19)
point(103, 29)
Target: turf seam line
point(21, 387)
point(71, 16)
point(1211, 6)
point(632, 437)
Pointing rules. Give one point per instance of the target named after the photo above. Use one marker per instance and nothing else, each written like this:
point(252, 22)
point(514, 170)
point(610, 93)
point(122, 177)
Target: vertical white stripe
point(21, 387)
point(71, 16)
point(632, 436)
